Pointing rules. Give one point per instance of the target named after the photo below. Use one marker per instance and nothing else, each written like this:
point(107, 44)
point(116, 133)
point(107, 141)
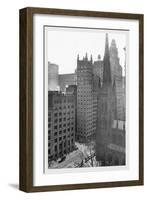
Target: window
point(55, 134)
point(55, 127)
point(60, 132)
point(55, 147)
point(55, 115)
point(55, 121)
point(55, 140)
point(60, 125)
point(60, 146)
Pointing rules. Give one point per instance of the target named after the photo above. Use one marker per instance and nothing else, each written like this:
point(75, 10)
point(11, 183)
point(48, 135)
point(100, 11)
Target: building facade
point(61, 124)
point(110, 139)
point(116, 74)
point(85, 106)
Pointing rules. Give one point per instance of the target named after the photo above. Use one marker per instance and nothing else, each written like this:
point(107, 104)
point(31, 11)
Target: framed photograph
point(81, 99)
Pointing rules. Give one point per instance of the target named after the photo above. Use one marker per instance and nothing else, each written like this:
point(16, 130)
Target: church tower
point(106, 110)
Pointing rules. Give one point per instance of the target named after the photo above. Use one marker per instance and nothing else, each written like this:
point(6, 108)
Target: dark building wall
point(72, 90)
point(61, 124)
point(110, 140)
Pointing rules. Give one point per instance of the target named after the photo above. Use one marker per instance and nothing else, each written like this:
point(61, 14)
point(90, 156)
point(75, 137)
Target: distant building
point(61, 124)
point(53, 82)
point(110, 138)
point(67, 79)
point(98, 67)
point(116, 74)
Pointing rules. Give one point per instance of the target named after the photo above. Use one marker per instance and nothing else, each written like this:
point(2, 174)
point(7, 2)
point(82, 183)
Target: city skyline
point(81, 41)
point(86, 113)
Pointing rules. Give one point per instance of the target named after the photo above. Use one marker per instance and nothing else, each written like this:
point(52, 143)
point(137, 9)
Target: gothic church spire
point(107, 67)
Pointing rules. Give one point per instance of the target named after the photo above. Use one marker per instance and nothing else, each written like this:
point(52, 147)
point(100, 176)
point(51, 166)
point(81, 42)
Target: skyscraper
point(61, 124)
point(116, 73)
point(85, 117)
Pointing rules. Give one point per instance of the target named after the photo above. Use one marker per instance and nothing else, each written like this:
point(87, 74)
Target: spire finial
point(99, 57)
point(99, 82)
point(107, 67)
point(91, 59)
point(86, 56)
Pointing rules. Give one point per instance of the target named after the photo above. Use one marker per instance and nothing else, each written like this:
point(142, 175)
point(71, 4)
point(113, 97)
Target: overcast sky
point(65, 43)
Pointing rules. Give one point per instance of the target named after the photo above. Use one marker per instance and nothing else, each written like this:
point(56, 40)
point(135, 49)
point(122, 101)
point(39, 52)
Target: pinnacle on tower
point(91, 59)
point(99, 82)
point(99, 57)
point(107, 67)
point(86, 56)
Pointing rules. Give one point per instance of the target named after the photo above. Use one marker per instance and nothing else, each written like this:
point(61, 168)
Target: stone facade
point(110, 140)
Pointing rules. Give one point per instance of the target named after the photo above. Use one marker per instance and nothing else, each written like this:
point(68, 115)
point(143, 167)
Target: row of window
point(64, 107)
point(62, 145)
point(64, 137)
point(61, 125)
point(61, 152)
point(59, 101)
point(65, 113)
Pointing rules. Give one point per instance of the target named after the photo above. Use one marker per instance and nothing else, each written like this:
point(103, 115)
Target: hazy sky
point(65, 43)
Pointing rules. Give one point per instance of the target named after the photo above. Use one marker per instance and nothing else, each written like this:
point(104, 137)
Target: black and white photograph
point(86, 97)
point(81, 99)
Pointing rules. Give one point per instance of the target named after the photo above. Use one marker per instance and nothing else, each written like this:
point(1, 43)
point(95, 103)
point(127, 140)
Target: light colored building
point(53, 81)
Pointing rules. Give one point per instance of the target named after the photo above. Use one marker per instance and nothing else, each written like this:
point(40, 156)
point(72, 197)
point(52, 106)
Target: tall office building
point(116, 73)
point(85, 117)
point(61, 124)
